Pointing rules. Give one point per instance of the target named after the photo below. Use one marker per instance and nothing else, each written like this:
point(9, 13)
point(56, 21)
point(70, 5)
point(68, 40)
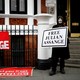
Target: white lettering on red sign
point(4, 44)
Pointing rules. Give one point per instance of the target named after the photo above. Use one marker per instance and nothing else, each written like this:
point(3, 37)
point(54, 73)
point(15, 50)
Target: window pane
point(13, 5)
point(35, 6)
point(22, 5)
point(1, 5)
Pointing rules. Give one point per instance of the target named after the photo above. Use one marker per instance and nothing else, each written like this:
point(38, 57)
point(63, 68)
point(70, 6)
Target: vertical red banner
point(4, 40)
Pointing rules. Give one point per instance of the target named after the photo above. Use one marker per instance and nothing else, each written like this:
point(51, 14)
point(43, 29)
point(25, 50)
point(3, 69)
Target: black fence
point(23, 47)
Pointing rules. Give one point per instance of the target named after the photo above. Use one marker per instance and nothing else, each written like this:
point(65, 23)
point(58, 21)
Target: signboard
point(4, 40)
point(15, 71)
point(56, 37)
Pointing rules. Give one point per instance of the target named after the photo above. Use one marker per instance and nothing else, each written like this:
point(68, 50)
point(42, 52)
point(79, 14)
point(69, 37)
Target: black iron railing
point(19, 54)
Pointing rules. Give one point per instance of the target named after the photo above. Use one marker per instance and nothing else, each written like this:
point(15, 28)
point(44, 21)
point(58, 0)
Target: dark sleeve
point(55, 26)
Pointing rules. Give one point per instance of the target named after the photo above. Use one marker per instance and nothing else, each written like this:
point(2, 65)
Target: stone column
point(43, 52)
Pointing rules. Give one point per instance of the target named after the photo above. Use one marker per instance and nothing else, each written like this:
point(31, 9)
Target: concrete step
point(75, 56)
point(74, 48)
point(74, 45)
point(74, 39)
point(72, 65)
point(73, 61)
point(74, 51)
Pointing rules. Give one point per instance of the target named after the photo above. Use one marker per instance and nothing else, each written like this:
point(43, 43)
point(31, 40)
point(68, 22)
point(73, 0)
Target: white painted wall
point(39, 6)
point(30, 11)
point(7, 10)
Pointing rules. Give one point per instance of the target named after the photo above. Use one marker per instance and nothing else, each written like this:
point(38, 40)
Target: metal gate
point(23, 47)
point(18, 50)
point(1, 58)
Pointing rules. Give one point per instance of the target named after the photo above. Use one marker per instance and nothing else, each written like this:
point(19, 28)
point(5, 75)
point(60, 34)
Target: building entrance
point(75, 18)
point(70, 11)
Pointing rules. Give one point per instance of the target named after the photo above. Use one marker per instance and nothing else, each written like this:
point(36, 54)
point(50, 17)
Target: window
point(35, 6)
point(18, 6)
point(1, 6)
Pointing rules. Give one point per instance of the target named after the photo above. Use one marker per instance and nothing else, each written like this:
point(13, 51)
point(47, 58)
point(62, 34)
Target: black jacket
point(62, 52)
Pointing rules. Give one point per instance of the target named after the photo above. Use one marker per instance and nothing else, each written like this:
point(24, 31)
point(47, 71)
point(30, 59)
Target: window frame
point(17, 11)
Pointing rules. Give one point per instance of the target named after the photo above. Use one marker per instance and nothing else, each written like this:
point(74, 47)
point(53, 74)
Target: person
point(59, 54)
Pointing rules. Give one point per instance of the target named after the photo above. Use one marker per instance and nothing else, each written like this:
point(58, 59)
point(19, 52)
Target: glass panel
point(0, 4)
point(13, 5)
point(22, 5)
point(35, 6)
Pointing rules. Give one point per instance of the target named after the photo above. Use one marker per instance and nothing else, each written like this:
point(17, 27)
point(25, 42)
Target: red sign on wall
point(4, 40)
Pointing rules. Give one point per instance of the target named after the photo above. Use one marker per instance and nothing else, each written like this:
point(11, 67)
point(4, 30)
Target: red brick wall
point(35, 22)
point(2, 21)
point(7, 56)
point(43, 6)
point(31, 55)
point(18, 21)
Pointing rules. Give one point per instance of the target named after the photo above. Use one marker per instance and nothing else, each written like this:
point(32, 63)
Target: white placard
point(56, 37)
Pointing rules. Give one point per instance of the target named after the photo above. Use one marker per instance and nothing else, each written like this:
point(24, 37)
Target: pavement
point(71, 74)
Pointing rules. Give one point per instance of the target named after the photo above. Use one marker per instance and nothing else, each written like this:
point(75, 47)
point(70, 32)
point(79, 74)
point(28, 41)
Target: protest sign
point(56, 37)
